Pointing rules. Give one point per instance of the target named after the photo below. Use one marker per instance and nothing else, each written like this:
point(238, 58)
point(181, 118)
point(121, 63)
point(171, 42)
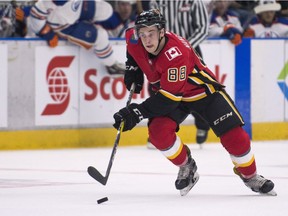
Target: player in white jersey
point(122, 18)
point(266, 24)
point(74, 21)
point(225, 23)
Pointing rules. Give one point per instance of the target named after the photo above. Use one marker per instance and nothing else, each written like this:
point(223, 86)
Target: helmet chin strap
point(159, 41)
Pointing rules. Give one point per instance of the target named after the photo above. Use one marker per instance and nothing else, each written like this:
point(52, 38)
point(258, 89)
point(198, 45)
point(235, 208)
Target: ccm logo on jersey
point(222, 118)
point(173, 53)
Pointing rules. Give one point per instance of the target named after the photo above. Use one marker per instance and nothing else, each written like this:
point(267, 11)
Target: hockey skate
point(187, 177)
point(201, 136)
point(258, 184)
point(116, 69)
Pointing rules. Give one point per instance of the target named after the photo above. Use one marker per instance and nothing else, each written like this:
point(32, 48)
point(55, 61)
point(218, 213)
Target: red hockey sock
point(237, 143)
point(162, 134)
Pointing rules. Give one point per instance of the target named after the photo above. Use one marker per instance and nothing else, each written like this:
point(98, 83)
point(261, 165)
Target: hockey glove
point(249, 32)
point(19, 14)
point(233, 34)
point(237, 39)
point(49, 35)
point(131, 116)
point(133, 74)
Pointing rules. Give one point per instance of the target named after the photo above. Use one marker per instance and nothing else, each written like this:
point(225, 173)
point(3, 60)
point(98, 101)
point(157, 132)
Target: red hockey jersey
point(181, 73)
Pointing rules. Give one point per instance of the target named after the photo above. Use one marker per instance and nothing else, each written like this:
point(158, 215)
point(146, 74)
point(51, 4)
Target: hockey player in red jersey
point(183, 83)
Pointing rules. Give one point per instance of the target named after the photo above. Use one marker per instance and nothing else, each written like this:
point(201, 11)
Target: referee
point(189, 19)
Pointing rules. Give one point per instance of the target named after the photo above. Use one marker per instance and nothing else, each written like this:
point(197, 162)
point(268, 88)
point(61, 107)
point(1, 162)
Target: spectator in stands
point(122, 18)
point(225, 23)
point(284, 9)
point(210, 7)
point(13, 20)
point(244, 10)
point(266, 24)
point(75, 22)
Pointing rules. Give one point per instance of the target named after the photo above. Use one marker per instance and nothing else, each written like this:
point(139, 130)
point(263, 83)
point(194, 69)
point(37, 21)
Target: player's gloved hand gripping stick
point(93, 172)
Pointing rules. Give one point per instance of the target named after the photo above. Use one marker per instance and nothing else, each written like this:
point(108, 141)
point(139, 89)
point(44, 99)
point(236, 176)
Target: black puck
point(104, 199)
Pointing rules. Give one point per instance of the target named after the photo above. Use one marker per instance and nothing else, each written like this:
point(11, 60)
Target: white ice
point(55, 183)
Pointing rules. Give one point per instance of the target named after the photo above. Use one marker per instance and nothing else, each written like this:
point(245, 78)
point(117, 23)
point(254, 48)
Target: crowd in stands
point(254, 19)
point(228, 19)
point(13, 16)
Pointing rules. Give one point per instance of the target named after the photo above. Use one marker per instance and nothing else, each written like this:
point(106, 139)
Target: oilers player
point(122, 18)
point(74, 20)
point(184, 84)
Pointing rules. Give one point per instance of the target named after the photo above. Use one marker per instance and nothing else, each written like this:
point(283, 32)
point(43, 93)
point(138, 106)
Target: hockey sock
point(237, 142)
point(163, 136)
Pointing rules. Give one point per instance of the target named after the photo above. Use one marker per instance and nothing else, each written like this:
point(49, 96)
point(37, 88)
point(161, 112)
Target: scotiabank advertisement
point(101, 95)
point(3, 84)
point(74, 88)
point(56, 85)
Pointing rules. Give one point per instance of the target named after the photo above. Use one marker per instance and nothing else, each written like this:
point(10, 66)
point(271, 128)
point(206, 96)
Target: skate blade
point(270, 193)
point(115, 75)
point(185, 191)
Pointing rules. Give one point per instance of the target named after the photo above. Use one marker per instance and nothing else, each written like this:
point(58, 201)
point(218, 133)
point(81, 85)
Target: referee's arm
point(200, 23)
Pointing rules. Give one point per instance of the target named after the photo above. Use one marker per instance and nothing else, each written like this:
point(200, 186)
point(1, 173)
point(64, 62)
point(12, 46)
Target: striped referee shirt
point(187, 18)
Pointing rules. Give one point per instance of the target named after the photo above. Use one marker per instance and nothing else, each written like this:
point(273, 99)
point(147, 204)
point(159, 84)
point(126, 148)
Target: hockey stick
point(93, 172)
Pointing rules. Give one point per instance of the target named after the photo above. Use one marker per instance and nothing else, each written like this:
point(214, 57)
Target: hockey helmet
point(150, 18)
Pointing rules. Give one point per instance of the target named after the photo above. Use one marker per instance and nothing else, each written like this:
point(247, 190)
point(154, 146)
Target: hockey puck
point(102, 200)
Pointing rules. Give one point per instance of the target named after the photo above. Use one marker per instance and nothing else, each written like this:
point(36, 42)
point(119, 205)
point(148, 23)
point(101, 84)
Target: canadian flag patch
point(173, 53)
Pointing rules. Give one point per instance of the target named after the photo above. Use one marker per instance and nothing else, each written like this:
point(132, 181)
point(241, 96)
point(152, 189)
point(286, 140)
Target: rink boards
point(63, 97)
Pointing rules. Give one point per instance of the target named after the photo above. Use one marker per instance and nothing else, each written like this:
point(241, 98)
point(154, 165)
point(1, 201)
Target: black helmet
point(149, 18)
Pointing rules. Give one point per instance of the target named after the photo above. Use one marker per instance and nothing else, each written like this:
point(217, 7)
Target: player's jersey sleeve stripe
point(204, 79)
point(198, 81)
point(57, 27)
point(37, 13)
point(207, 76)
point(104, 53)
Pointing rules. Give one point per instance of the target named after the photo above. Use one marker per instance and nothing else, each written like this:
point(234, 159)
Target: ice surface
point(55, 183)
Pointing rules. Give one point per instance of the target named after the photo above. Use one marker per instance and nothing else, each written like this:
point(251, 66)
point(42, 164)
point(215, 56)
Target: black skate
point(187, 177)
point(258, 184)
point(201, 136)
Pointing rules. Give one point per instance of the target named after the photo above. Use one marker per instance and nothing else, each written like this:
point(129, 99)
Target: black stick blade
point(94, 173)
